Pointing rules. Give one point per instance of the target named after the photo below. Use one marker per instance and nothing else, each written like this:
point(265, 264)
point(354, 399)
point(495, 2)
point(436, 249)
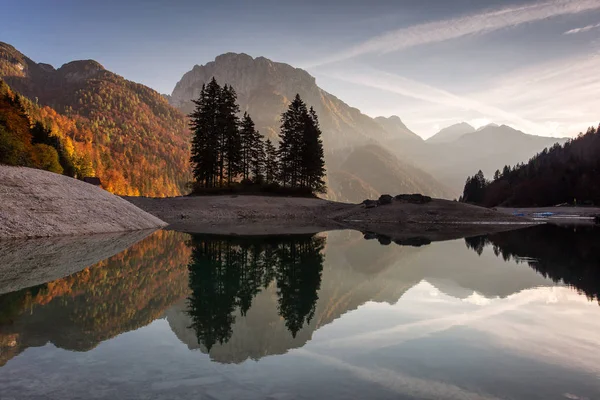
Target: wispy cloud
point(439, 31)
point(407, 87)
point(584, 29)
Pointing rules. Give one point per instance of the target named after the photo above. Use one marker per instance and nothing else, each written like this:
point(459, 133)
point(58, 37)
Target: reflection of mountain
point(119, 294)
point(569, 255)
point(238, 298)
point(355, 271)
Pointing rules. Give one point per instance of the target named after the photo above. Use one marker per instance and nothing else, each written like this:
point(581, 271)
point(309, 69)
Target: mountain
point(488, 149)
point(396, 128)
point(264, 90)
point(451, 133)
point(137, 143)
point(369, 171)
point(562, 174)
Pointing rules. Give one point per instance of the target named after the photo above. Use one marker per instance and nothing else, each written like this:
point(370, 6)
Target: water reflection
point(354, 318)
point(226, 273)
point(568, 255)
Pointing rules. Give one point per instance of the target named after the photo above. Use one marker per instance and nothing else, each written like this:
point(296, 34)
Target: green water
point(508, 316)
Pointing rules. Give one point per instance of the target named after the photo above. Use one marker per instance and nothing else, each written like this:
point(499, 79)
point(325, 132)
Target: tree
point(271, 162)
point(258, 159)
point(313, 159)
point(290, 144)
point(228, 125)
point(301, 152)
point(247, 135)
point(205, 139)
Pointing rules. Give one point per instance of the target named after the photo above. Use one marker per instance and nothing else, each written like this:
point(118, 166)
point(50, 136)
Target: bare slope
point(36, 203)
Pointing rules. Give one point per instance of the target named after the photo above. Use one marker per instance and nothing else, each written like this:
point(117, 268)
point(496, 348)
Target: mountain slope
point(451, 133)
point(138, 143)
point(370, 171)
point(264, 90)
point(488, 149)
point(562, 174)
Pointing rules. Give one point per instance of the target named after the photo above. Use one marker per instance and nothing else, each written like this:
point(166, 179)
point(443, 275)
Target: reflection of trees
point(562, 254)
point(226, 273)
point(122, 293)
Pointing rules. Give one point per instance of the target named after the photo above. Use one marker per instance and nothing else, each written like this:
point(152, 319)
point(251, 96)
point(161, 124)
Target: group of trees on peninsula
point(228, 151)
point(562, 174)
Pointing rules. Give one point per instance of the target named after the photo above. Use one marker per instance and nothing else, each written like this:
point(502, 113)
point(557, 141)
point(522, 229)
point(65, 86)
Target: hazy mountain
point(369, 171)
point(396, 128)
point(264, 90)
point(489, 148)
point(137, 142)
point(451, 133)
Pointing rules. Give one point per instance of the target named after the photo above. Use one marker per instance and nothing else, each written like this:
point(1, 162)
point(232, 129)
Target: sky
point(529, 64)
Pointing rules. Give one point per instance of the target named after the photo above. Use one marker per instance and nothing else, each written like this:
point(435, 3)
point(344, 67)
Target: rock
point(384, 240)
point(370, 203)
point(413, 198)
point(385, 199)
point(370, 235)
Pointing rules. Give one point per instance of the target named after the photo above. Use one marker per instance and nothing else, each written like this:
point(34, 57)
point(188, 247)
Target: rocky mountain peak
point(80, 70)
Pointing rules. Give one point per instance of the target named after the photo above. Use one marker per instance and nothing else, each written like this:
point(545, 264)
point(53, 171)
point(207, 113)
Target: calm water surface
point(334, 316)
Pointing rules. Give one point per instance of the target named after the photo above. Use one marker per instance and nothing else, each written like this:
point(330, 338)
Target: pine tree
point(271, 162)
point(205, 136)
point(313, 159)
point(247, 137)
point(258, 159)
point(228, 123)
point(290, 145)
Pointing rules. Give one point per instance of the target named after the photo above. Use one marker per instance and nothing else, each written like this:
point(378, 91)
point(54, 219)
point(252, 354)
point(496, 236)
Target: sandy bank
point(255, 215)
point(36, 203)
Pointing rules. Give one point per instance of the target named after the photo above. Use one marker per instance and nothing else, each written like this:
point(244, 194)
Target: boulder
point(385, 199)
point(370, 203)
point(413, 198)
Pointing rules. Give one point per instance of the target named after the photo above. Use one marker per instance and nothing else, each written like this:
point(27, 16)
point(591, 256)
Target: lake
point(513, 315)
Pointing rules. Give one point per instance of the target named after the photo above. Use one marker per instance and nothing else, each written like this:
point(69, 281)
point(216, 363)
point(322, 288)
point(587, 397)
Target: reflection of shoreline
point(151, 279)
point(120, 294)
point(31, 262)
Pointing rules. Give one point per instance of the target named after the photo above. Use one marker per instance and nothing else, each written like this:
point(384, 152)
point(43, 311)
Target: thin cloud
point(584, 29)
point(417, 90)
point(439, 31)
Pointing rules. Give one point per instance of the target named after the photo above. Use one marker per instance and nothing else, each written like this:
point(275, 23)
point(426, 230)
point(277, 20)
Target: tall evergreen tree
point(290, 144)
point(313, 159)
point(258, 159)
point(228, 122)
point(271, 162)
point(205, 135)
point(247, 137)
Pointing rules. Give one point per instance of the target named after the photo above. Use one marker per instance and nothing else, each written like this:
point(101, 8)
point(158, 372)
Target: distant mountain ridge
point(451, 133)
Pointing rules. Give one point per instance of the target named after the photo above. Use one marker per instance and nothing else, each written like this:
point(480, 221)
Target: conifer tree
point(290, 145)
point(205, 139)
point(313, 159)
point(247, 138)
point(271, 162)
point(258, 159)
point(228, 124)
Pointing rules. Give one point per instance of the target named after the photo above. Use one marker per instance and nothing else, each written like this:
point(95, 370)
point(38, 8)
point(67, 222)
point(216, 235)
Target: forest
point(229, 154)
point(567, 174)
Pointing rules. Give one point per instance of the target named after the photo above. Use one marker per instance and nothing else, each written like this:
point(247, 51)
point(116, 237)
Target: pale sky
point(529, 64)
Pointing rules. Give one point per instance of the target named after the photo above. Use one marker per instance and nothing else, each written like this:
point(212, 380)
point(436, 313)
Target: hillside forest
point(567, 174)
